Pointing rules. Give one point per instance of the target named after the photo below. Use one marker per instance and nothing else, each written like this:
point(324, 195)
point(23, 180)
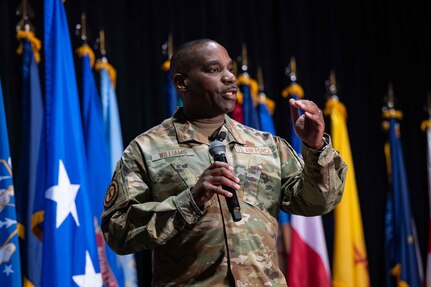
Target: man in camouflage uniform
point(166, 193)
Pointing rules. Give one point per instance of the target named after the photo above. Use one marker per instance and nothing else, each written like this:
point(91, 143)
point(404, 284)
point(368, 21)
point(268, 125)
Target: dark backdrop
point(367, 43)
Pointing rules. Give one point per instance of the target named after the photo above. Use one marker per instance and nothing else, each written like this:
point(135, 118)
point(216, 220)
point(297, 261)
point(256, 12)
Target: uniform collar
point(186, 132)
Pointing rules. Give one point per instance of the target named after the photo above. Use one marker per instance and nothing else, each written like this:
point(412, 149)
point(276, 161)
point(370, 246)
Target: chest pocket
point(171, 177)
point(184, 170)
point(262, 187)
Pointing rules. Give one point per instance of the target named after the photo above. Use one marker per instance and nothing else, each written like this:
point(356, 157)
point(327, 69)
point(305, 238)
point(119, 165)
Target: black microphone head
point(221, 136)
point(217, 147)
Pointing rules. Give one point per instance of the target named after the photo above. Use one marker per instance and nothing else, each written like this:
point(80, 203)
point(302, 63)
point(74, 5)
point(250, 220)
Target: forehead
point(211, 52)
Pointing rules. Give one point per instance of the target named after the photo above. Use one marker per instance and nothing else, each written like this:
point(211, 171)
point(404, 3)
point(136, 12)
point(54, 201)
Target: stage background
point(367, 43)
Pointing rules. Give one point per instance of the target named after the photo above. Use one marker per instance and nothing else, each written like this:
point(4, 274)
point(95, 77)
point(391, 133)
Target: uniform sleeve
point(312, 185)
point(131, 220)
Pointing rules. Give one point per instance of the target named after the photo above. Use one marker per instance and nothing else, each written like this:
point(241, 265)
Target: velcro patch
point(111, 194)
point(170, 153)
point(253, 150)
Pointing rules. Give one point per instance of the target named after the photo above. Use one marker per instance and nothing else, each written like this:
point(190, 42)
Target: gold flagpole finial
point(83, 27)
point(291, 70)
point(391, 97)
point(170, 45)
point(260, 78)
point(102, 48)
point(389, 110)
point(332, 79)
point(331, 84)
point(26, 12)
point(293, 65)
point(235, 68)
point(244, 66)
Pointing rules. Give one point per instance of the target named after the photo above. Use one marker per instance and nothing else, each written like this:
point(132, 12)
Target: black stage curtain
point(367, 43)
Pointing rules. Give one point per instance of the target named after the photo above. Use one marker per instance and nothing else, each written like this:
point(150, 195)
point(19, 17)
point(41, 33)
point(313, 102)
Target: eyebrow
point(216, 62)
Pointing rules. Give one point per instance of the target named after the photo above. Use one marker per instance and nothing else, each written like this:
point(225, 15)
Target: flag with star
point(113, 135)
point(32, 116)
point(69, 256)
point(402, 256)
point(10, 267)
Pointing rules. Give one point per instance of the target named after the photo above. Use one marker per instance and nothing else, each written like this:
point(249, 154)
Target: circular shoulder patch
point(111, 194)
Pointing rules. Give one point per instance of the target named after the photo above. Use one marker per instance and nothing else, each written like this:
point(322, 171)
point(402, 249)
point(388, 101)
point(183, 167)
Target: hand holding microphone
point(218, 151)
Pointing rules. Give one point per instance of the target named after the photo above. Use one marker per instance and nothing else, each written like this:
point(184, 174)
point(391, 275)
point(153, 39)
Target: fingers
point(212, 181)
point(221, 174)
point(311, 110)
point(294, 110)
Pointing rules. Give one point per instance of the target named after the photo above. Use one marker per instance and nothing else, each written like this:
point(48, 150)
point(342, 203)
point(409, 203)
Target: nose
point(228, 78)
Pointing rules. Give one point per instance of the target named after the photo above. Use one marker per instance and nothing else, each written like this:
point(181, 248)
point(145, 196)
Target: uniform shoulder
point(249, 133)
point(160, 132)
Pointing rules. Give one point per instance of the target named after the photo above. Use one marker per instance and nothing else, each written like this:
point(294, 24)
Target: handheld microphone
point(218, 151)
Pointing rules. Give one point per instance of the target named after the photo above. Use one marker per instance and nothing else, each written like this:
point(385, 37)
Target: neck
point(219, 119)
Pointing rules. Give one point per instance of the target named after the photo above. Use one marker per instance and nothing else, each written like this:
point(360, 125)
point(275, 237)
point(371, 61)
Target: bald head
point(185, 57)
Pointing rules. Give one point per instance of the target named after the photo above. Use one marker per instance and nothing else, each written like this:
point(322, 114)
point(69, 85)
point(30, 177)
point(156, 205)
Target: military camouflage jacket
point(149, 203)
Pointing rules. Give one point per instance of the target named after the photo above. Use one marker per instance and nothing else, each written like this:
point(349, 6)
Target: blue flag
point(98, 163)
point(96, 147)
point(251, 117)
point(32, 116)
point(10, 268)
point(111, 120)
point(265, 119)
point(402, 257)
point(69, 256)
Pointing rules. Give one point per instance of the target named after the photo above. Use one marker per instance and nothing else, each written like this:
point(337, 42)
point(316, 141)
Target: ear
point(180, 82)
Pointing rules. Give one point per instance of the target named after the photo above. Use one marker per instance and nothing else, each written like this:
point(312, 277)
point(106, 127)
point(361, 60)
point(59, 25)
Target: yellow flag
point(350, 266)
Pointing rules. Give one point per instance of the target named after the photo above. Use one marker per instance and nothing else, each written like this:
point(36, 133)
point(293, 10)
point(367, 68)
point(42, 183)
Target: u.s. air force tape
point(111, 194)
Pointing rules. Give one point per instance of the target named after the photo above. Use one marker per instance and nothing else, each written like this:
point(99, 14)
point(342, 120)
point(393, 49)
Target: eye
point(213, 70)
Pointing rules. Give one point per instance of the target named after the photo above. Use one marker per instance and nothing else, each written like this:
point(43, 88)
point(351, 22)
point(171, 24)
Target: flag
point(32, 116)
point(308, 264)
point(172, 100)
point(283, 241)
point(238, 112)
point(426, 126)
point(10, 264)
point(98, 163)
point(403, 262)
point(350, 264)
point(265, 109)
point(112, 127)
point(111, 117)
point(69, 256)
point(249, 89)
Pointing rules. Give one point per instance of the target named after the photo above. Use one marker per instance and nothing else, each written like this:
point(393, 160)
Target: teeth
point(229, 93)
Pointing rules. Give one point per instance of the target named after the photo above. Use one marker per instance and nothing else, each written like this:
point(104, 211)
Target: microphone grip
point(232, 202)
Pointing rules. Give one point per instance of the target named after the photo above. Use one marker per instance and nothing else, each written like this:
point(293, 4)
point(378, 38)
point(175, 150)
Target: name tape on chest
point(253, 150)
point(170, 153)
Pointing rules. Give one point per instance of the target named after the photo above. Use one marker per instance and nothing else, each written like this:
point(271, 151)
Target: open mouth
point(230, 94)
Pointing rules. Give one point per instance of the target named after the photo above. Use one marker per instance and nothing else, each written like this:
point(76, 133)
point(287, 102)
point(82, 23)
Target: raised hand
point(310, 126)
